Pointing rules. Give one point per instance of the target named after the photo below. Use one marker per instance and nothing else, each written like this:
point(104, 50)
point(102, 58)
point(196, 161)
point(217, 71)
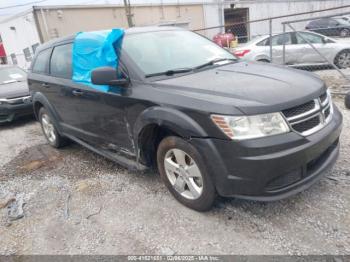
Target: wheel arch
point(156, 123)
point(39, 100)
point(262, 57)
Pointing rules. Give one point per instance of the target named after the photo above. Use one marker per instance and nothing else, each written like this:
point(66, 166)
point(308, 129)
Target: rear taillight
point(241, 53)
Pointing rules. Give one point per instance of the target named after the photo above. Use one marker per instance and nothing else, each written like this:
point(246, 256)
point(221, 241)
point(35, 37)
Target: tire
point(186, 176)
point(344, 33)
point(49, 129)
point(347, 100)
point(342, 59)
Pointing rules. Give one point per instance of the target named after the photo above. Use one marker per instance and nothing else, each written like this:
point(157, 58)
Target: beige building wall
point(58, 22)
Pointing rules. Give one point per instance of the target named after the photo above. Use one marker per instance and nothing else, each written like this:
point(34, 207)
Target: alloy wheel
point(344, 60)
point(48, 128)
point(344, 33)
point(183, 173)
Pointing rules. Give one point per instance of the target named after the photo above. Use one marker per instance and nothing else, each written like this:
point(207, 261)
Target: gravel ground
point(114, 211)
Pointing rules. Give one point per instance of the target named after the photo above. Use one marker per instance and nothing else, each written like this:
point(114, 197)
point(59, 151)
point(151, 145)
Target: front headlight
point(247, 127)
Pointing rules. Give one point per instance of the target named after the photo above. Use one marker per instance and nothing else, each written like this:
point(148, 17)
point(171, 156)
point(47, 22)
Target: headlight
point(246, 127)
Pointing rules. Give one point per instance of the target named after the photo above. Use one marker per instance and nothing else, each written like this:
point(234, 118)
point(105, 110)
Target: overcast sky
point(11, 7)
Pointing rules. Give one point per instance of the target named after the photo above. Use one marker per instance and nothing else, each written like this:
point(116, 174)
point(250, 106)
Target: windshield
point(155, 52)
point(11, 74)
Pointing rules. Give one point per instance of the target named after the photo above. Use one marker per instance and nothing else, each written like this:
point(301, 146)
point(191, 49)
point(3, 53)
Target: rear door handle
point(77, 92)
point(46, 85)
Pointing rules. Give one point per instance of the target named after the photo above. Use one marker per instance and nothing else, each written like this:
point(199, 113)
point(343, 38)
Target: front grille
point(302, 172)
point(298, 110)
point(309, 117)
point(3, 117)
point(18, 100)
point(307, 125)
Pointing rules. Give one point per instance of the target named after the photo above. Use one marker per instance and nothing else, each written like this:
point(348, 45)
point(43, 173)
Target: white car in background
point(298, 52)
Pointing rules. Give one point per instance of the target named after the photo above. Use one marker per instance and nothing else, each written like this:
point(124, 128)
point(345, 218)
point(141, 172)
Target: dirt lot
point(80, 203)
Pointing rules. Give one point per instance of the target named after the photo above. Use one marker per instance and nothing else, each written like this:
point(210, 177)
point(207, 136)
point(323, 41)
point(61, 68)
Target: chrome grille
point(297, 110)
point(16, 100)
point(310, 117)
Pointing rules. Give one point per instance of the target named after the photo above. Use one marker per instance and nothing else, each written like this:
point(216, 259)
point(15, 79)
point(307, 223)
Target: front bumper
point(274, 167)
point(10, 112)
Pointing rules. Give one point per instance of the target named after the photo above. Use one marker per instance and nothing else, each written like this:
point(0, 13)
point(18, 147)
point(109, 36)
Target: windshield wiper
point(214, 61)
point(171, 72)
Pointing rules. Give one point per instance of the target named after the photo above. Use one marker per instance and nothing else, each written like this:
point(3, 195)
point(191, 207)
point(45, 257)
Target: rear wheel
point(344, 33)
point(50, 130)
point(182, 170)
point(342, 60)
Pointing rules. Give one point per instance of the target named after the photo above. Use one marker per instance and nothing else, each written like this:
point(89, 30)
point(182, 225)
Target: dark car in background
point(207, 121)
point(330, 27)
point(15, 100)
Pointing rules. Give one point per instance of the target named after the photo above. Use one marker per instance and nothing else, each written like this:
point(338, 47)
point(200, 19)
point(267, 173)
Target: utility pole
point(128, 13)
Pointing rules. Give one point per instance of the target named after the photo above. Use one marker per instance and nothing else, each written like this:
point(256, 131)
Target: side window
point(312, 38)
point(61, 61)
point(284, 39)
point(264, 42)
point(41, 61)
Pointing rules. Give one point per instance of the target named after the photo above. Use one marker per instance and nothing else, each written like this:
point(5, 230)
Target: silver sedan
point(298, 51)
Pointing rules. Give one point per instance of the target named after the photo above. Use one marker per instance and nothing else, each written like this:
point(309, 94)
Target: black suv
point(210, 123)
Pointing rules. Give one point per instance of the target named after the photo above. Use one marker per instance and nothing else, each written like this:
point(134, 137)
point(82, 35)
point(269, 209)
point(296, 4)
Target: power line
point(14, 6)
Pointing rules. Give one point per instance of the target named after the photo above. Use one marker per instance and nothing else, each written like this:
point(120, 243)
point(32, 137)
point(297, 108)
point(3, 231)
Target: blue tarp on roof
point(92, 50)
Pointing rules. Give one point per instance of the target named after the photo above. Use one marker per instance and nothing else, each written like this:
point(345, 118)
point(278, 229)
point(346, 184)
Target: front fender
point(170, 118)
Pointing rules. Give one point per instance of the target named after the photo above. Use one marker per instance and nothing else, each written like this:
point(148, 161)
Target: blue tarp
point(92, 50)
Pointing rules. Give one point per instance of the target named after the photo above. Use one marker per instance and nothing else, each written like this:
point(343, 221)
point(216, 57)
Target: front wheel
point(344, 33)
point(342, 60)
point(50, 130)
point(182, 170)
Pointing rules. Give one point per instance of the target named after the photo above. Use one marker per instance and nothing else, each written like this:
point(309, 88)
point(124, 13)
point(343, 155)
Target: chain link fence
point(317, 41)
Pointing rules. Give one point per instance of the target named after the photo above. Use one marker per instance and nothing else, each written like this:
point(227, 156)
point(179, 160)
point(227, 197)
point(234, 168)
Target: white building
point(22, 33)
point(20, 38)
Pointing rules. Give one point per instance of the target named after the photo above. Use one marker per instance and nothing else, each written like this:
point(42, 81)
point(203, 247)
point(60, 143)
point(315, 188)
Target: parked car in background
point(330, 27)
point(345, 18)
point(15, 100)
point(207, 121)
point(298, 51)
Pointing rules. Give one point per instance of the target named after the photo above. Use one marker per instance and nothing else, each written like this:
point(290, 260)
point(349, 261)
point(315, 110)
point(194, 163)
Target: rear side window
point(41, 61)
point(61, 61)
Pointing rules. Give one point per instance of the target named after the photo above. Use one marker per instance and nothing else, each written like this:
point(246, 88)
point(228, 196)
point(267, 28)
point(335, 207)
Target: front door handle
point(77, 92)
point(46, 85)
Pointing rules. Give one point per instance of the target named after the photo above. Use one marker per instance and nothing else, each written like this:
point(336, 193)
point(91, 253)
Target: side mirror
point(107, 76)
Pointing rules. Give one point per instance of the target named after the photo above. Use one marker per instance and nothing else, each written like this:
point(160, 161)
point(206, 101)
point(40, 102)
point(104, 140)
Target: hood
point(15, 89)
point(250, 87)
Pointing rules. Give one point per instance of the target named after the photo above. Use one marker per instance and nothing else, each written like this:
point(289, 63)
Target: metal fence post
point(284, 45)
point(270, 29)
